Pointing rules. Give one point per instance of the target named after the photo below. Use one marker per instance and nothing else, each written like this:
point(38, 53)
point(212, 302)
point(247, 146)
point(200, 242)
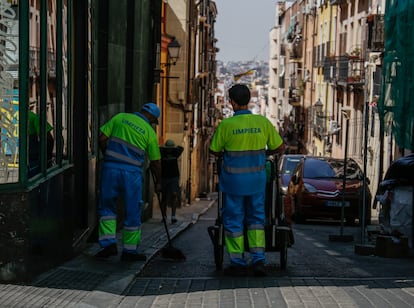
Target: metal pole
point(341, 237)
point(364, 183)
point(344, 178)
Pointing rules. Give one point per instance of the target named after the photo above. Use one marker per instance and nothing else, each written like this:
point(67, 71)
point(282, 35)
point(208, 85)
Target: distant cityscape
point(253, 73)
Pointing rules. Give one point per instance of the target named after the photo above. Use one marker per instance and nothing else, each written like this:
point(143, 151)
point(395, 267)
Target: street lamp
point(174, 49)
point(318, 107)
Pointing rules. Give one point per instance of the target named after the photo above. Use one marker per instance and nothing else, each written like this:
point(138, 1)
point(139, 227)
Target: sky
point(242, 28)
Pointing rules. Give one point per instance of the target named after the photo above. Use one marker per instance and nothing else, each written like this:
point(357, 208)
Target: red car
point(316, 190)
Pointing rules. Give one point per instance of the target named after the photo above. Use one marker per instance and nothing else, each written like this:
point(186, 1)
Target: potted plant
point(356, 52)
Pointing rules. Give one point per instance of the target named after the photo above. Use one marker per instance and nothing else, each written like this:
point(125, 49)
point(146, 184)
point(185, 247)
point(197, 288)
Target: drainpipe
point(190, 68)
point(312, 83)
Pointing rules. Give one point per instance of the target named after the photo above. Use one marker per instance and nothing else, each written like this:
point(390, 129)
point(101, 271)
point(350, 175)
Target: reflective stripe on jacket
point(120, 151)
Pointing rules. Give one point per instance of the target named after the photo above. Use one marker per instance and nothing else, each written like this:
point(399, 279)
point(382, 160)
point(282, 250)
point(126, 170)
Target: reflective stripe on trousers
point(107, 230)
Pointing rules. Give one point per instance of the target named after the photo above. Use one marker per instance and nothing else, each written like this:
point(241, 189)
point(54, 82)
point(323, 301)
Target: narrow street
point(319, 273)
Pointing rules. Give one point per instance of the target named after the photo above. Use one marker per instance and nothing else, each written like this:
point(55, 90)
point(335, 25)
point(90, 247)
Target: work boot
point(235, 270)
point(133, 257)
point(107, 252)
point(258, 269)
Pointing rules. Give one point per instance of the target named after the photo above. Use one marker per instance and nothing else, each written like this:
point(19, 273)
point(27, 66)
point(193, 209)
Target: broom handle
point(164, 221)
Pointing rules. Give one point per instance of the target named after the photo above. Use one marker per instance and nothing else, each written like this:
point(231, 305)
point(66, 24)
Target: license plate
point(337, 203)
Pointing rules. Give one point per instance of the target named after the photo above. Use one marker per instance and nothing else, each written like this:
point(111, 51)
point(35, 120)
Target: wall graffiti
point(9, 102)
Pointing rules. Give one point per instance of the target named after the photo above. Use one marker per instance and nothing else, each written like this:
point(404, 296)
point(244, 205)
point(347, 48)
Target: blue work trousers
point(238, 211)
point(126, 184)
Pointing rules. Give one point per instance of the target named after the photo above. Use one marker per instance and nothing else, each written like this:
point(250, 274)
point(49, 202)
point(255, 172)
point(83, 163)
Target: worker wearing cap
point(244, 140)
point(126, 140)
point(171, 194)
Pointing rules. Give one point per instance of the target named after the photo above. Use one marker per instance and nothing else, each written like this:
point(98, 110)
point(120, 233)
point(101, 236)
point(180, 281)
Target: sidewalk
point(86, 273)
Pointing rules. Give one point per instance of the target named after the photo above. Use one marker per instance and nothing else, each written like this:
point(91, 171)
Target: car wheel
point(300, 218)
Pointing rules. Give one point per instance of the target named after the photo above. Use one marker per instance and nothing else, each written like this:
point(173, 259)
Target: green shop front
point(49, 160)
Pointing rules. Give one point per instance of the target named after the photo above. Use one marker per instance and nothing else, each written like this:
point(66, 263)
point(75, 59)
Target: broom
point(168, 251)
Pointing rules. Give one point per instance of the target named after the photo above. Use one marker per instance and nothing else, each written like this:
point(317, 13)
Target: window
point(40, 90)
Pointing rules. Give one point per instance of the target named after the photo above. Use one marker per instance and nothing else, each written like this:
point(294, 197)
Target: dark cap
point(240, 94)
point(153, 110)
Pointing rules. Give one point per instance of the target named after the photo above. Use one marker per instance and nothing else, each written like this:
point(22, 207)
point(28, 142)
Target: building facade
point(73, 65)
point(339, 69)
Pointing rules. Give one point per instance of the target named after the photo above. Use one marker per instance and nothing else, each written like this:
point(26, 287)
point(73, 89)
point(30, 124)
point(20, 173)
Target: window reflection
point(65, 86)
point(34, 143)
point(54, 101)
point(56, 107)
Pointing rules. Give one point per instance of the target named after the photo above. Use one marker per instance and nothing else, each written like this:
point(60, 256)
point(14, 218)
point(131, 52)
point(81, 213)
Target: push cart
point(277, 232)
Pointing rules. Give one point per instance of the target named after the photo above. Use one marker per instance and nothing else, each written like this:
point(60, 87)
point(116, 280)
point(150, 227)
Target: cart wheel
point(219, 248)
point(216, 236)
point(283, 249)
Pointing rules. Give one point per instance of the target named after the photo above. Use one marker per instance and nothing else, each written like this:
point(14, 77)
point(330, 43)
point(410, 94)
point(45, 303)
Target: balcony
point(344, 70)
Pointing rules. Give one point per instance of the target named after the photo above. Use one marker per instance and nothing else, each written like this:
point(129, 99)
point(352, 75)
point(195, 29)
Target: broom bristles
point(171, 252)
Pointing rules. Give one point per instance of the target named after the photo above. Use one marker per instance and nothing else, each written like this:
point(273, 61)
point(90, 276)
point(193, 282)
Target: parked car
point(316, 189)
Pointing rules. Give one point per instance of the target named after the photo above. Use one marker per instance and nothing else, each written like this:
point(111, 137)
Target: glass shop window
point(47, 98)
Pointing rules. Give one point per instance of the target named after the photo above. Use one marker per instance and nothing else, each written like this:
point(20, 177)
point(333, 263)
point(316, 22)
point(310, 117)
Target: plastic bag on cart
point(402, 170)
point(401, 211)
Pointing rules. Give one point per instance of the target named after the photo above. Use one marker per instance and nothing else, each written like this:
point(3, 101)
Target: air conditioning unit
point(333, 127)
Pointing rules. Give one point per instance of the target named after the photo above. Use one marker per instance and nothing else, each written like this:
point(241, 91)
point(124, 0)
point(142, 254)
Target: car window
point(319, 168)
point(353, 171)
point(289, 165)
point(315, 168)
